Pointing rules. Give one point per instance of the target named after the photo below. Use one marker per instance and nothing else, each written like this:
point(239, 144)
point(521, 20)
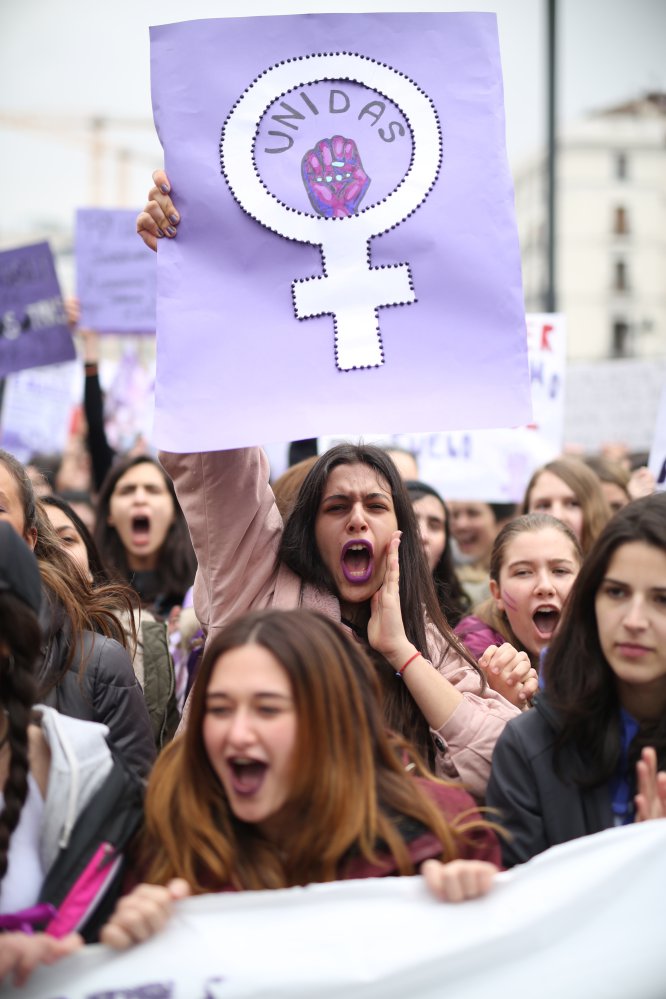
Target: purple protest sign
point(347, 258)
point(115, 280)
point(33, 325)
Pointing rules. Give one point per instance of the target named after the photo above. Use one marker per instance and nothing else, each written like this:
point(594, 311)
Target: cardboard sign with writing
point(347, 255)
point(115, 272)
point(33, 325)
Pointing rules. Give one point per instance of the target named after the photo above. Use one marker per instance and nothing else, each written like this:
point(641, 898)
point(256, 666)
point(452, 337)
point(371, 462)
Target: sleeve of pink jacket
point(465, 742)
point(235, 528)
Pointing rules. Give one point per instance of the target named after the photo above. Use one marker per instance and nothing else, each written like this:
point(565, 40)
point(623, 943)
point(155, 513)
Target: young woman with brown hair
point(570, 491)
point(256, 793)
point(85, 669)
point(146, 636)
point(533, 565)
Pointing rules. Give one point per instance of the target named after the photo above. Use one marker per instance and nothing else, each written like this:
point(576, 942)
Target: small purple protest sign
point(115, 280)
point(33, 325)
point(347, 258)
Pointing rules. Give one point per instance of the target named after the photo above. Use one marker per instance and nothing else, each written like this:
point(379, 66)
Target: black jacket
point(537, 808)
point(109, 691)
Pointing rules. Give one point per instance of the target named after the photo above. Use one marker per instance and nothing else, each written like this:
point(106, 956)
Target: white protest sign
point(613, 400)
point(583, 919)
point(657, 462)
point(37, 409)
point(495, 465)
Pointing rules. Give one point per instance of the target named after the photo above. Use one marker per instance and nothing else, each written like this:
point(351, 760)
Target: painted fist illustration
point(334, 177)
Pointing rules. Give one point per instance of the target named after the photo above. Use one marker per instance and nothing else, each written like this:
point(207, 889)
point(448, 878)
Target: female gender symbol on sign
point(350, 289)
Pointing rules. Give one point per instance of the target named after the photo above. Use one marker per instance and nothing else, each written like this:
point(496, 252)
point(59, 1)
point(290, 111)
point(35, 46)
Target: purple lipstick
point(357, 561)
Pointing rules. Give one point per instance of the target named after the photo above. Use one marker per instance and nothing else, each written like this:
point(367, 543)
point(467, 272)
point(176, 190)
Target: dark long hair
point(75, 605)
point(192, 832)
point(19, 630)
point(99, 572)
point(579, 682)
point(176, 561)
point(453, 600)
point(418, 600)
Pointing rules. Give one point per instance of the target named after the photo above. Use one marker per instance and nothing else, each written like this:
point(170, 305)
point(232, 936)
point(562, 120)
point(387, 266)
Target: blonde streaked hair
point(349, 789)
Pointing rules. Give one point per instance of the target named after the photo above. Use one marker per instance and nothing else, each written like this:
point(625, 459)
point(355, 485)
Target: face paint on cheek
point(509, 601)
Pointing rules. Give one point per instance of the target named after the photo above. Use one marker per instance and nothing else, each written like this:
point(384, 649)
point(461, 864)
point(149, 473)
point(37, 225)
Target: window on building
point(620, 344)
point(621, 166)
point(621, 280)
point(621, 221)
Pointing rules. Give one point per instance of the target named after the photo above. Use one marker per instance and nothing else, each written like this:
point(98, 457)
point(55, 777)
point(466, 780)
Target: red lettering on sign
point(545, 344)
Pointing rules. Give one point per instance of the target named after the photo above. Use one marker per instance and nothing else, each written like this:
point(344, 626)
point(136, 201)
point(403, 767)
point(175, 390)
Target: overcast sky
point(70, 60)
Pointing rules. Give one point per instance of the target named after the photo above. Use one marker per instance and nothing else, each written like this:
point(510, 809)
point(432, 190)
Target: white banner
point(583, 919)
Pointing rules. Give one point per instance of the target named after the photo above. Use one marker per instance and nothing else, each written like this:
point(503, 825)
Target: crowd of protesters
point(238, 684)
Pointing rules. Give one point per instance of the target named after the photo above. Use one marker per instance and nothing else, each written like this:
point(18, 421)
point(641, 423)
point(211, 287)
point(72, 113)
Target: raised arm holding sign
point(321, 319)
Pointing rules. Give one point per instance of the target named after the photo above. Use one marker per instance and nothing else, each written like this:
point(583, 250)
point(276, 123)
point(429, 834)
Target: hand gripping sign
point(350, 289)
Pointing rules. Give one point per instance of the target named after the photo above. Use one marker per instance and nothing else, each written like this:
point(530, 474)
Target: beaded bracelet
point(405, 665)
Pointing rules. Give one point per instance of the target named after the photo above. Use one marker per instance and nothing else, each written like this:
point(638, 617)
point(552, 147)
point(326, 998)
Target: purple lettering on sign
point(152, 990)
point(115, 277)
point(290, 307)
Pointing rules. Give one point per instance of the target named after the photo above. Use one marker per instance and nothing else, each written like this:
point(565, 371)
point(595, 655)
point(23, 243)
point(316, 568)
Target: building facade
point(610, 267)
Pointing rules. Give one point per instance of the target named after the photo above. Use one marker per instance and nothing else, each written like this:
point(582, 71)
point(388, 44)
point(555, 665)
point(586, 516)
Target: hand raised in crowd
point(159, 218)
point(89, 339)
point(72, 311)
point(141, 914)
point(510, 673)
point(641, 483)
point(459, 879)
point(651, 798)
point(21, 953)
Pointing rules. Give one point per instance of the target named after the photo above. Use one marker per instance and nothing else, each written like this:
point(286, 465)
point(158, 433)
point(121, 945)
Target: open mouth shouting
point(247, 775)
point(140, 526)
point(357, 561)
point(546, 618)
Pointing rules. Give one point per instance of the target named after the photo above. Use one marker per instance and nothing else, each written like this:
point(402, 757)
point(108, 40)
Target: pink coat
point(236, 528)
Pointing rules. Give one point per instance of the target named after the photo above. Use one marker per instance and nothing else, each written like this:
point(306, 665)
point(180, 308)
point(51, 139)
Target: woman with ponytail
point(64, 800)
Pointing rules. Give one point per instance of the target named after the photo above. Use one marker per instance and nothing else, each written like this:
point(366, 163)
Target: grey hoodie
point(80, 763)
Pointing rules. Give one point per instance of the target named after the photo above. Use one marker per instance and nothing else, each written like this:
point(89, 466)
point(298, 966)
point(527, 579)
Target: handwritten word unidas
point(45, 314)
point(338, 102)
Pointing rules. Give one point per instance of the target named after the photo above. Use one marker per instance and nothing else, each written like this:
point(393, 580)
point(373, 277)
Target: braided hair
point(19, 647)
